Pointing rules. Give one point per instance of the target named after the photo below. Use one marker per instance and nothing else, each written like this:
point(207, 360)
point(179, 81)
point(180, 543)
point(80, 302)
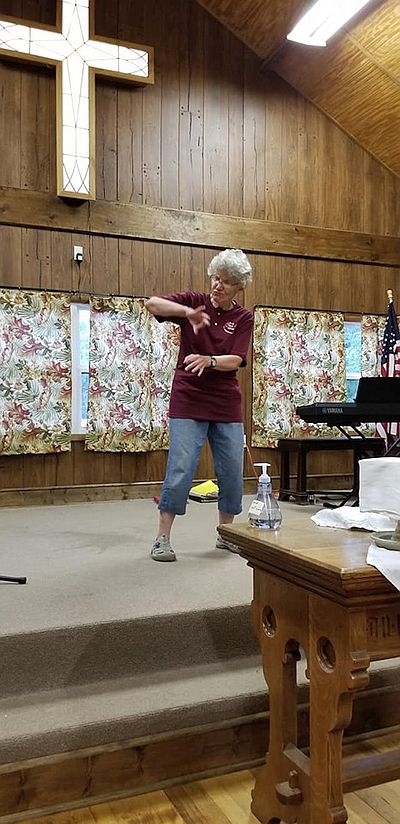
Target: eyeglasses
point(224, 282)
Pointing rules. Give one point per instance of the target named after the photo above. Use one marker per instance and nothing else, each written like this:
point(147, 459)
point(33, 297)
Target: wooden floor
point(221, 800)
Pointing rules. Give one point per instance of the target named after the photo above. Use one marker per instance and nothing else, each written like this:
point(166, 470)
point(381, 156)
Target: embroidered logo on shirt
point(229, 327)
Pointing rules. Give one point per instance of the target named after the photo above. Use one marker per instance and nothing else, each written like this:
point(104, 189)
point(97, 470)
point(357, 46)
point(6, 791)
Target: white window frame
point(78, 425)
point(353, 376)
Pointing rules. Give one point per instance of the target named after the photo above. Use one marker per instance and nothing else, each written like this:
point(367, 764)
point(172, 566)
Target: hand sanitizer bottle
point(264, 512)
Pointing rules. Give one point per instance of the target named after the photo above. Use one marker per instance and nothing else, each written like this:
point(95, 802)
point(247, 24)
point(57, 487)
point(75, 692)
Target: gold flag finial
point(390, 296)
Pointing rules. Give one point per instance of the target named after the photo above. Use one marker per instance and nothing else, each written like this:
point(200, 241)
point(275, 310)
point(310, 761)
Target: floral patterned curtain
point(372, 329)
point(35, 372)
point(298, 358)
point(132, 359)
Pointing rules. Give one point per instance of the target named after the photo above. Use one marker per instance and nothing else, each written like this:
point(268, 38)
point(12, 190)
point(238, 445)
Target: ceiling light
point(323, 20)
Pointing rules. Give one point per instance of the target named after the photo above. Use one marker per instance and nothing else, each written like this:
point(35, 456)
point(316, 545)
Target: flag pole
point(390, 296)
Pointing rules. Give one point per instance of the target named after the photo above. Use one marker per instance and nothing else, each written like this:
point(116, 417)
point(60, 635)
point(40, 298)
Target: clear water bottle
point(264, 512)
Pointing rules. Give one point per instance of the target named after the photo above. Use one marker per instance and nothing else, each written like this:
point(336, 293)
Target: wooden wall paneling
point(11, 8)
point(375, 210)
point(33, 473)
point(194, 264)
point(339, 203)
point(293, 161)
point(168, 78)
point(11, 471)
point(10, 124)
point(62, 263)
point(11, 255)
point(126, 25)
point(65, 465)
point(131, 267)
point(110, 465)
point(349, 196)
point(49, 471)
point(152, 268)
point(273, 149)
point(311, 169)
point(170, 275)
point(106, 19)
point(352, 86)
point(46, 12)
point(131, 21)
point(136, 467)
point(191, 113)
point(41, 11)
point(390, 215)
point(106, 140)
point(215, 119)
point(36, 259)
point(30, 276)
point(152, 102)
point(88, 466)
point(105, 265)
point(235, 81)
point(38, 129)
point(130, 144)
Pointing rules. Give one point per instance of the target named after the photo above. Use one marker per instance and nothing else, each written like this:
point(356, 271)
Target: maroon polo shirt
point(215, 395)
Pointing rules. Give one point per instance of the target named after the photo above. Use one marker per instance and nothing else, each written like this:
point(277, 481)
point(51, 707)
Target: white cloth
point(380, 485)
point(350, 517)
point(387, 561)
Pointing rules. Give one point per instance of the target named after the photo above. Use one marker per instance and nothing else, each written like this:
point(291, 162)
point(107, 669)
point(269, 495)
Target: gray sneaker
point(162, 550)
point(222, 544)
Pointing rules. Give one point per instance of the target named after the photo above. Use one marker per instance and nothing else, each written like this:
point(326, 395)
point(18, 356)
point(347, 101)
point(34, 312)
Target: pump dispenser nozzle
point(264, 473)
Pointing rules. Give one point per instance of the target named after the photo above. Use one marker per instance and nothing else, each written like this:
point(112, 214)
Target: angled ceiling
point(355, 79)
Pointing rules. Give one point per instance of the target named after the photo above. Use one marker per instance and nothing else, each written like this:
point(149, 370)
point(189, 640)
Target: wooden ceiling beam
point(130, 220)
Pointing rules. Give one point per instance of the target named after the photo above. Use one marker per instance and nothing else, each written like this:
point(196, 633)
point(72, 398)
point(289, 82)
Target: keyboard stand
point(362, 447)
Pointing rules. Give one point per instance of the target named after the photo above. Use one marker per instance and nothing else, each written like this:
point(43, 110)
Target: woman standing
point(205, 398)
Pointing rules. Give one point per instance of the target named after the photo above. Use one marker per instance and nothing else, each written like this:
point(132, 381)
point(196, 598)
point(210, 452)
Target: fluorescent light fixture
point(324, 19)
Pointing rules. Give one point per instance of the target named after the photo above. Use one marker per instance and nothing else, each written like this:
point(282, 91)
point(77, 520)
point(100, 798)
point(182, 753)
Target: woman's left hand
point(196, 363)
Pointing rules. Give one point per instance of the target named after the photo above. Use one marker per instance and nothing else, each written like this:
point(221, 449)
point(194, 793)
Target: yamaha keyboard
point(377, 400)
point(349, 414)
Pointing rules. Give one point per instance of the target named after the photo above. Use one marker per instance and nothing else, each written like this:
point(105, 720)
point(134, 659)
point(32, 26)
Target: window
point(80, 331)
point(352, 346)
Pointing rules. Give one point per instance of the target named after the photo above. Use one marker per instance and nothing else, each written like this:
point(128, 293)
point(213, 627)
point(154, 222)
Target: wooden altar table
point(313, 591)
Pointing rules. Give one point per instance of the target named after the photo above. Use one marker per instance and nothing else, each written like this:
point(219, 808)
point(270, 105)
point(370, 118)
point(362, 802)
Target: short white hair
point(234, 263)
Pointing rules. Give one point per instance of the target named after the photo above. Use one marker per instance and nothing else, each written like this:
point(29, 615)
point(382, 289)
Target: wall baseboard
point(53, 495)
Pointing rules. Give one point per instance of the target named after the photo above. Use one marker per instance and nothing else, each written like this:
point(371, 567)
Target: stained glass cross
point(78, 55)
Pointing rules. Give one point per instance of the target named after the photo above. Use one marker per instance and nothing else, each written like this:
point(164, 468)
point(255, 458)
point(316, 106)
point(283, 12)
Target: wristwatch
point(213, 362)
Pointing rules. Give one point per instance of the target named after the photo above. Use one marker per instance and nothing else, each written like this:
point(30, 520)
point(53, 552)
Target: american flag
point(390, 366)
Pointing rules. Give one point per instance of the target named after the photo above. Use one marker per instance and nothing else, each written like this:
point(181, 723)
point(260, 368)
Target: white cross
point(78, 56)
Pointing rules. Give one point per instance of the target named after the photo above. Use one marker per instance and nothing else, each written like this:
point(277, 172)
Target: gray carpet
point(105, 645)
point(88, 563)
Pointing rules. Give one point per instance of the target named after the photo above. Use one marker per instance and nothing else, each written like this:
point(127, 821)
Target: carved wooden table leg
point(338, 666)
point(292, 787)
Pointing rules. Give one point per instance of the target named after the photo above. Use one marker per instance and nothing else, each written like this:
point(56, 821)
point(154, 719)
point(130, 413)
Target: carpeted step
point(66, 657)
point(109, 711)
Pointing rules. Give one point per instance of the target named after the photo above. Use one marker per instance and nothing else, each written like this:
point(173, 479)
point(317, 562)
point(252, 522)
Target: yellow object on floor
point(207, 491)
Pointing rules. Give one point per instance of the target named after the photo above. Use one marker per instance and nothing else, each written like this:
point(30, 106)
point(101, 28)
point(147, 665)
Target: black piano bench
point(361, 447)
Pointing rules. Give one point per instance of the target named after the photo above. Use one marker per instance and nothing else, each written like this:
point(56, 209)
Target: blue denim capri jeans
point(187, 437)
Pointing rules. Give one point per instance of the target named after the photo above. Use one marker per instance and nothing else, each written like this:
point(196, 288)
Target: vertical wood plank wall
point(215, 134)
